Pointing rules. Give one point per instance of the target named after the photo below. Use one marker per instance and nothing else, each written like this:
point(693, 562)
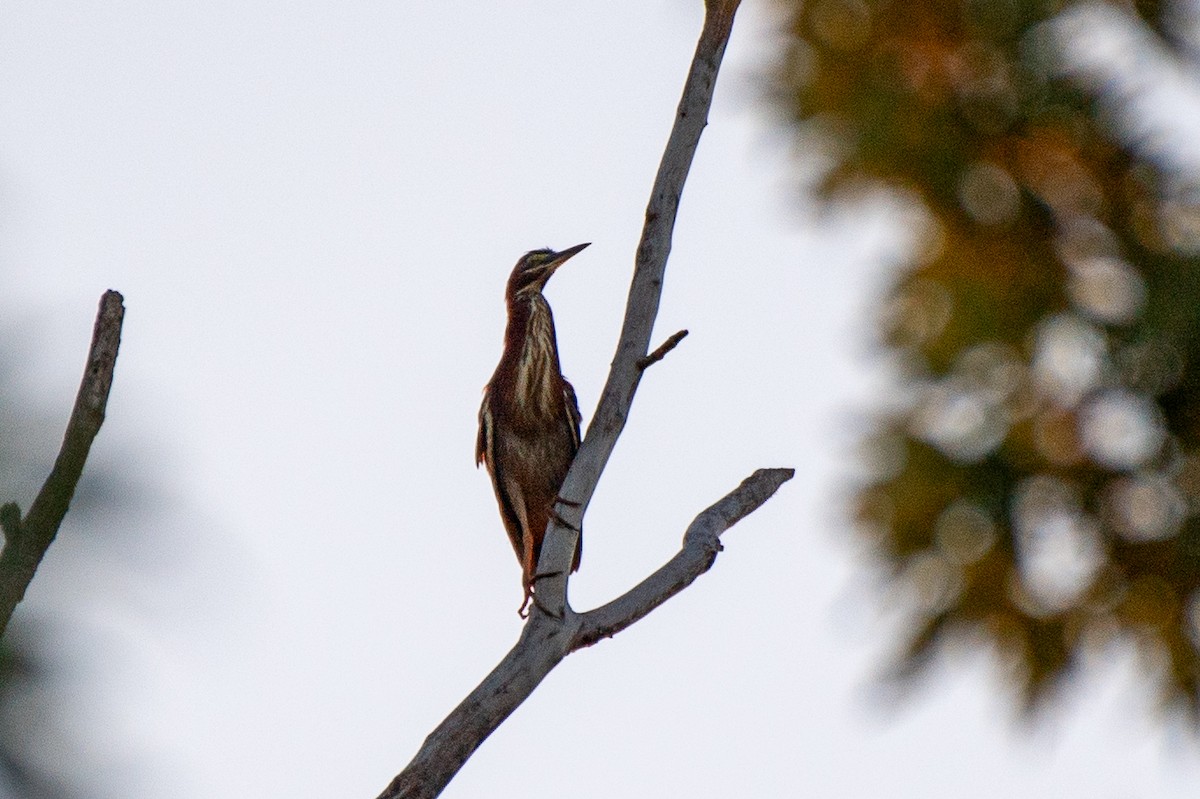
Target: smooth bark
point(554, 630)
point(545, 641)
point(641, 307)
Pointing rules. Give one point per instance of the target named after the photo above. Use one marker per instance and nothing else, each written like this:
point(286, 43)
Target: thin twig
point(26, 543)
point(662, 350)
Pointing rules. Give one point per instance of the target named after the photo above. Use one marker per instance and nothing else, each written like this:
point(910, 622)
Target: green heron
point(529, 419)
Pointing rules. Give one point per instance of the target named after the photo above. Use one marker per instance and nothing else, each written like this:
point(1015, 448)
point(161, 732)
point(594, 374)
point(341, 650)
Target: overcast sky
point(312, 209)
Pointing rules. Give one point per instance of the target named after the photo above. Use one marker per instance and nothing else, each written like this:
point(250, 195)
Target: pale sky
point(311, 209)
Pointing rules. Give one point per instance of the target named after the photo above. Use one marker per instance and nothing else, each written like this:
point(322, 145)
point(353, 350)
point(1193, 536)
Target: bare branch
point(661, 352)
point(543, 644)
point(701, 543)
point(26, 543)
point(641, 307)
point(553, 629)
point(10, 521)
point(545, 641)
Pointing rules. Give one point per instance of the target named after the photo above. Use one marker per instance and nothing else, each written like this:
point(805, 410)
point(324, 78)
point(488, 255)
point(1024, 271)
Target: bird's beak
point(564, 256)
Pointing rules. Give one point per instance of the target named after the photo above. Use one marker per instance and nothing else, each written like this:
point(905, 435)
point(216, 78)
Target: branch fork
point(554, 630)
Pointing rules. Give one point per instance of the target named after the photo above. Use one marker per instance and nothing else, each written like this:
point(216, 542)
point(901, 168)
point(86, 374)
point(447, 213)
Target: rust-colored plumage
point(529, 419)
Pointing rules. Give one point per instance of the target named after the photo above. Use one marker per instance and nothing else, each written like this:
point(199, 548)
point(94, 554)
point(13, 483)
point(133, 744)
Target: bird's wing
point(483, 443)
point(506, 493)
point(512, 507)
point(576, 419)
point(572, 411)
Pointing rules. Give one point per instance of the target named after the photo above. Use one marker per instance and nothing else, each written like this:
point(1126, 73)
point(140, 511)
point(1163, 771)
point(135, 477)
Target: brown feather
point(529, 425)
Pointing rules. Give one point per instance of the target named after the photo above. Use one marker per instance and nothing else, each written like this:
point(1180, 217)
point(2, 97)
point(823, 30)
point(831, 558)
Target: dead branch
point(661, 351)
point(26, 540)
point(701, 543)
point(550, 636)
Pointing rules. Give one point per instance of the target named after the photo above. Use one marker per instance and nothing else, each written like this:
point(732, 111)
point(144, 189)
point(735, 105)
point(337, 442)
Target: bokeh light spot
point(989, 194)
point(1144, 507)
point(1180, 224)
point(1057, 546)
point(934, 582)
point(1069, 358)
point(964, 532)
point(1121, 429)
point(968, 414)
point(918, 313)
point(1106, 289)
point(961, 420)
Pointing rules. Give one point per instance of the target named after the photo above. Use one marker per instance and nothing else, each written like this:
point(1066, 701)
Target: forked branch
point(701, 543)
point(550, 636)
point(641, 308)
point(26, 540)
point(545, 641)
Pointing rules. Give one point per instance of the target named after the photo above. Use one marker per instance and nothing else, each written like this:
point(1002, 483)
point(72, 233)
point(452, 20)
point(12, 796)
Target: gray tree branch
point(641, 308)
point(26, 540)
point(701, 543)
point(545, 641)
point(661, 351)
point(549, 637)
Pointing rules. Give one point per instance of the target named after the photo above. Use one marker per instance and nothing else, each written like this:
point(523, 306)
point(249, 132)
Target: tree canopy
point(1038, 485)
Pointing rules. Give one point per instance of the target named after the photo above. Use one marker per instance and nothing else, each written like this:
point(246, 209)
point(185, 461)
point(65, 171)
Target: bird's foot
point(531, 596)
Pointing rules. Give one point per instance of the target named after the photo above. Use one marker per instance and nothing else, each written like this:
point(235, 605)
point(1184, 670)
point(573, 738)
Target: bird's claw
point(531, 596)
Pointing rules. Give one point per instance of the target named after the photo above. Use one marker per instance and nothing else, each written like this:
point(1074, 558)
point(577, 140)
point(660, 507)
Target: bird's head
point(535, 268)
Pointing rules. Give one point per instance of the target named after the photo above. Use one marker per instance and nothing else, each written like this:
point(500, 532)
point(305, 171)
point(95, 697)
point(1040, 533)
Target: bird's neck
point(531, 346)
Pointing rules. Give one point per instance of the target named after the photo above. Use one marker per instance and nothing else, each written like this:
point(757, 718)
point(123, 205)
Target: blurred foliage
point(21, 675)
point(23, 671)
point(31, 665)
point(1038, 486)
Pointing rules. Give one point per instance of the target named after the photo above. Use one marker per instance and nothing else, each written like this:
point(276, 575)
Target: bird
point(529, 418)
